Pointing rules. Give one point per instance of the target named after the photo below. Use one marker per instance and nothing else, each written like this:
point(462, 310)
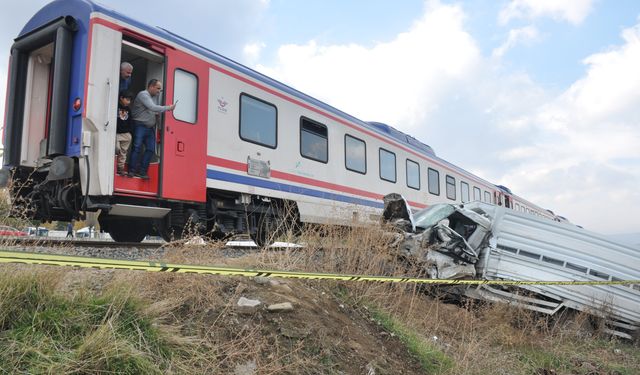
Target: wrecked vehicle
point(487, 242)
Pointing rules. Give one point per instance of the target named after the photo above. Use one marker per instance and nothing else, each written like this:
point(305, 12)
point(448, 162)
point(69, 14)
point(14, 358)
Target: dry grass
point(179, 323)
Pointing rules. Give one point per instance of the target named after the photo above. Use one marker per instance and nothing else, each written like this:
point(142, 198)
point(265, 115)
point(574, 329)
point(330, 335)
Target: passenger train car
point(240, 153)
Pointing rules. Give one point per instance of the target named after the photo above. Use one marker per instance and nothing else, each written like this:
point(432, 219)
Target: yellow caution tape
point(151, 266)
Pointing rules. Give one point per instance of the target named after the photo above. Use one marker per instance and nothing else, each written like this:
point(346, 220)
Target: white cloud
point(516, 36)
point(398, 82)
point(572, 11)
point(252, 51)
point(587, 148)
point(610, 88)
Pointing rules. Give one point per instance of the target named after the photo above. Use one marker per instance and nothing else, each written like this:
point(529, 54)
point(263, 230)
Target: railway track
point(146, 250)
point(63, 242)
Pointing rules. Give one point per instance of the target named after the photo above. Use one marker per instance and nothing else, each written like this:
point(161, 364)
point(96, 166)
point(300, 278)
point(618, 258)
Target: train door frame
point(149, 59)
point(37, 113)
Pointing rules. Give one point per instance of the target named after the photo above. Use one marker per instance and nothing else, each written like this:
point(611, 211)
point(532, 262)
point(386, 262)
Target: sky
point(541, 96)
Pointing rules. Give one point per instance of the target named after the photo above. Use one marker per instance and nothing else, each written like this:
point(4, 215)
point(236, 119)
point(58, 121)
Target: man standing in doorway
point(125, 76)
point(146, 114)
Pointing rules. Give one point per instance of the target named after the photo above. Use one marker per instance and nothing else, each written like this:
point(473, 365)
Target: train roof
point(402, 137)
point(82, 9)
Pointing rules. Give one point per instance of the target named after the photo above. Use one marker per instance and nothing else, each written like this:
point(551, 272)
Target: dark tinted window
point(313, 140)
point(355, 153)
point(487, 197)
point(387, 165)
point(451, 187)
point(477, 194)
point(413, 174)
point(258, 121)
point(464, 191)
point(433, 181)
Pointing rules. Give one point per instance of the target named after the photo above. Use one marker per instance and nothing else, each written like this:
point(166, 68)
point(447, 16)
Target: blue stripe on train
point(273, 185)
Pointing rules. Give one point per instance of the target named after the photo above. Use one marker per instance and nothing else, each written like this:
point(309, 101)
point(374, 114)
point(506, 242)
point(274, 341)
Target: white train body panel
point(325, 192)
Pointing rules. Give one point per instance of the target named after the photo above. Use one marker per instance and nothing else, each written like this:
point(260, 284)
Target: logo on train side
point(222, 105)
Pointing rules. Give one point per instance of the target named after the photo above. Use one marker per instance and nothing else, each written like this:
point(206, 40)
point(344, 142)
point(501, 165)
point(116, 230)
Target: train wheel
point(278, 221)
point(128, 230)
point(265, 231)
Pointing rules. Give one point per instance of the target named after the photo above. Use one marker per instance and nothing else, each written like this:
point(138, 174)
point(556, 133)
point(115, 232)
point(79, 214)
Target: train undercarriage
point(46, 195)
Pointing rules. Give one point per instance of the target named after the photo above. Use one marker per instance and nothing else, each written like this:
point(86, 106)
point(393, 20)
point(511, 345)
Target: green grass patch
point(432, 359)
point(581, 358)
point(42, 331)
point(536, 358)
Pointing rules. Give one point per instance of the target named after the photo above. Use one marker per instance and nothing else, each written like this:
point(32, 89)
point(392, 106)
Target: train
point(241, 152)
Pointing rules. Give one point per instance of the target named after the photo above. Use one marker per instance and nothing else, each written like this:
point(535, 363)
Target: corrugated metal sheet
point(526, 247)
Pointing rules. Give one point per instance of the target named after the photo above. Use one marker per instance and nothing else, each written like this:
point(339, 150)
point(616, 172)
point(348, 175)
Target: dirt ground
point(348, 340)
point(329, 327)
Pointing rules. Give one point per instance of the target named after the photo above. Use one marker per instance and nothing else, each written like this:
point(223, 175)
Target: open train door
point(184, 136)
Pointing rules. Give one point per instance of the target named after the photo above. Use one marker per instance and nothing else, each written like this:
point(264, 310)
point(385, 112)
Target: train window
point(477, 194)
point(387, 165)
point(451, 187)
point(464, 191)
point(413, 174)
point(258, 121)
point(487, 197)
point(185, 90)
point(314, 142)
point(355, 155)
point(433, 181)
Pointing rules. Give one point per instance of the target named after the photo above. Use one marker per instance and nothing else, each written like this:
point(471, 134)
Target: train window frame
point(317, 124)
point(463, 193)
point(437, 181)
point(417, 174)
point(487, 194)
point(175, 86)
point(346, 154)
point(450, 187)
point(254, 141)
point(479, 196)
point(395, 165)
